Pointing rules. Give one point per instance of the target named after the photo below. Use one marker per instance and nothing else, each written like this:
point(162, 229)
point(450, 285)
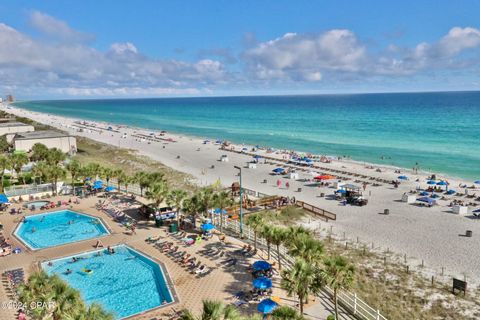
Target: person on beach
point(287, 185)
point(279, 183)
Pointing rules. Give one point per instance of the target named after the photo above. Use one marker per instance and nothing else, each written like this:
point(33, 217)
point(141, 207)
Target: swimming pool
point(125, 283)
point(59, 227)
point(36, 204)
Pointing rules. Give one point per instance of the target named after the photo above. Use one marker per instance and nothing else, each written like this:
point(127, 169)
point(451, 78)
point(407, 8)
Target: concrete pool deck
point(221, 284)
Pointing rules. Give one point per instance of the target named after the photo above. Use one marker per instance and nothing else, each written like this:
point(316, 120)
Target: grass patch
point(287, 216)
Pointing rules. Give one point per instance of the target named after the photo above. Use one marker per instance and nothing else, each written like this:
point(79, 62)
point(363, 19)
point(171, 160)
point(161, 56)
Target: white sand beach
point(434, 234)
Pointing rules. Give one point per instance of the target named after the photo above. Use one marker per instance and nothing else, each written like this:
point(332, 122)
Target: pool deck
point(220, 284)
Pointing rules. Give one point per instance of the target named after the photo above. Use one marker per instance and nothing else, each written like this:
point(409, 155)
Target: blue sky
point(55, 49)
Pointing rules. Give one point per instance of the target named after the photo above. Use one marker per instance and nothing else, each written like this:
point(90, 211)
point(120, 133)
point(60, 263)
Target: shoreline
point(429, 234)
point(338, 158)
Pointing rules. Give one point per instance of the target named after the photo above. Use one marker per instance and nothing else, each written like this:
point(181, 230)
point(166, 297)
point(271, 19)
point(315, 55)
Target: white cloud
point(74, 68)
point(57, 29)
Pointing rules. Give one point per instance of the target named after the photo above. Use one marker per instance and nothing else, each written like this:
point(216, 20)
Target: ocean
point(437, 132)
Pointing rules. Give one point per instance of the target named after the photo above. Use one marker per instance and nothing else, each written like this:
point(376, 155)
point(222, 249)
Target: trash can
point(386, 211)
point(173, 228)
point(468, 233)
point(299, 190)
point(158, 223)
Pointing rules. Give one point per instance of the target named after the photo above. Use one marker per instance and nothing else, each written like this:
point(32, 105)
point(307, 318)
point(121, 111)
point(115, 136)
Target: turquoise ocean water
point(439, 131)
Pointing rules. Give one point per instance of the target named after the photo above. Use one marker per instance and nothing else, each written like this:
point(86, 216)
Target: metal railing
point(16, 191)
point(348, 300)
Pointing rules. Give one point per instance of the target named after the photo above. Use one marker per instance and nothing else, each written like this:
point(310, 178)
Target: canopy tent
point(3, 198)
point(262, 283)
point(219, 211)
point(403, 177)
point(207, 226)
point(110, 189)
point(278, 170)
point(324, 177)
point(261, 265)
point(349, 186)
point(428, 200)
point(342, 191)
point(267, 306)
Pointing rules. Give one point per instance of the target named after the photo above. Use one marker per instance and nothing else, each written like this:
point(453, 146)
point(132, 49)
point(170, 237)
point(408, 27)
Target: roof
point(13, 124)
point(40, 135)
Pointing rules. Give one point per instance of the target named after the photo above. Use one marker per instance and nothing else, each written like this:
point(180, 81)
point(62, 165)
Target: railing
point(327, 215)
point(349, 301)
point(16, 191)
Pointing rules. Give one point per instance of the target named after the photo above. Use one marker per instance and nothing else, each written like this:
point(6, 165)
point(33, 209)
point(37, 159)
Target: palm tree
point(96, 312)
point(4, 165)
point(55, 156)
point(108, 173)
point(266, 233)
point(176, 198)
point(126, 182)
point(192, 207)
point(56, 173)
point(222, 200)
point(157, 192)
point(255, 221)
point(74, 167)
point(206, 199)
point(286, 313)
point(296, 231)
point(121, 176)
point(306, 247)
point(300, 280)
point(338, 273)
point(68, 302)
point(93, 169)
point(17, 161)
point(142, 178)
point(39, 152)
point(278, 236)
point(216, 310)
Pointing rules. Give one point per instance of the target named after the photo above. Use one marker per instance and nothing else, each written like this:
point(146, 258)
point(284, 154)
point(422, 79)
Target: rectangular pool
point(125, 283)
point(57, 228)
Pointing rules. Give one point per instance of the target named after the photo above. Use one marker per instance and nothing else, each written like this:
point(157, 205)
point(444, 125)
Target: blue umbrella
point(110, 189)
point(267, 306)
point(207, 226)
point(278, 170)
point(257, 156)
point(3, 198)
point(403, 177)
point(219, 211)
point(477, 182)
point(424, 193)
point(451, 191)
point(343, 191)
point(476, 211)
point(442, 183)
point(262, 283)
point(261, 265)
point(431, 182)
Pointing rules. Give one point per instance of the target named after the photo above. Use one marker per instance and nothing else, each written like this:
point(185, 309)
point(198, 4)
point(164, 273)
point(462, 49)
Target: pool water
point(60, 227)
point(125, 283)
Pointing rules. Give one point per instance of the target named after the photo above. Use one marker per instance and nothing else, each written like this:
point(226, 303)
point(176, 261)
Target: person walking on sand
point(279, 183)
point(287, 185)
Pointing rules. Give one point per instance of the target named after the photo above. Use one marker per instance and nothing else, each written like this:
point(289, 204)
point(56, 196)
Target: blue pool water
point(125, 283)
point(53, 229)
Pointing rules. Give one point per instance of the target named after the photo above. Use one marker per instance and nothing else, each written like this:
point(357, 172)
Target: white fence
point(16, 191)
point(349, 301)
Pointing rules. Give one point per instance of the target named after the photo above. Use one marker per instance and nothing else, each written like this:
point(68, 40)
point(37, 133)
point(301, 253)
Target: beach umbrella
point(278, 170)
point(262, 283)
point(342, 191)
point(219, 211)
point(476, 210)
point(431, 182)
point(477, 182)
point(442, 183)
point(451, 191)
point(207, 226)
point(261, 265)
point(424, 193)
point(257, 156)
point(403, 177)
point(3, 198)
point(110, 189)
point(267, 306)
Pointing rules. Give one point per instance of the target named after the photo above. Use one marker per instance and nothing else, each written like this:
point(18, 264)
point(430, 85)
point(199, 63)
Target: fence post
point(355, 303)
point(378, 314)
